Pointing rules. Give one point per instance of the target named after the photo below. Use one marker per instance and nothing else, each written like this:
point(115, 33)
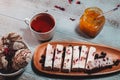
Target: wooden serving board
point(111, 52)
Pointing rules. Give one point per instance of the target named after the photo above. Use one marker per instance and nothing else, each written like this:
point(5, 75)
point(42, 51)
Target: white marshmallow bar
point(67, 59)
point(58, 57)
point(49, 57)
point(91, 55)
point(83, 57)
point(99, 63)
point(75, 61)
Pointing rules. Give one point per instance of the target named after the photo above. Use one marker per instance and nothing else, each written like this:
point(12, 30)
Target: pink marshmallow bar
point(67, 59)
point(91, 55)
point(75, 60)
point(83, 57)
point(58, 58)
point(49, 57)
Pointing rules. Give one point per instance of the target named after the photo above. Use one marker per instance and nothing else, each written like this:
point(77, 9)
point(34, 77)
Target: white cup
point(44, 20)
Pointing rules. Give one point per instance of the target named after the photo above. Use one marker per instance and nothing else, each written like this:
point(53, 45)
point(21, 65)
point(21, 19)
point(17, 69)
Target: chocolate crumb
point(103, 54)
point(42, 64)
point(43, 56)
point(96, 56)
point(41, 61)
point(60, 8)
point(58, 51)
point(103, 59)
point(116, 62)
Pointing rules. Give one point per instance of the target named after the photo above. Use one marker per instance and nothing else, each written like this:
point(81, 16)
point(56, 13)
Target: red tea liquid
point(42, 23)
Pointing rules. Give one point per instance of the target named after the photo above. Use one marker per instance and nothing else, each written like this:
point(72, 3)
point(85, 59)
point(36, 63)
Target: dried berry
point(72, 19)
point(78, 2)
point(70, 1)
point(6, 50)
point(60, 8)
point(118, 5)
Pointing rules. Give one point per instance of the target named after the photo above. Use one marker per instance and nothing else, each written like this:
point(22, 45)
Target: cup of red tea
point(42, 26)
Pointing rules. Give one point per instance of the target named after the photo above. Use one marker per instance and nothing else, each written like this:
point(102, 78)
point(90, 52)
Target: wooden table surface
point(14, 12)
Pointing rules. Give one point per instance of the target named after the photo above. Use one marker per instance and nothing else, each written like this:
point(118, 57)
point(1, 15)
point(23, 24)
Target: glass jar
point(90, 23)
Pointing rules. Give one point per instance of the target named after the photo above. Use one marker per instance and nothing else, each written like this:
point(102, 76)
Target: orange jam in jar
point(90, 23)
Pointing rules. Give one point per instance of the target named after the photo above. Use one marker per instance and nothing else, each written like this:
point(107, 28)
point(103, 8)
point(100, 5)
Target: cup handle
point(27, 20)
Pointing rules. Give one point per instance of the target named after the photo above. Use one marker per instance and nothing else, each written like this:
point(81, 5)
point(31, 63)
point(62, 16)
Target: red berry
point(6, 50)
point(78, 2)
point(118, 5)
